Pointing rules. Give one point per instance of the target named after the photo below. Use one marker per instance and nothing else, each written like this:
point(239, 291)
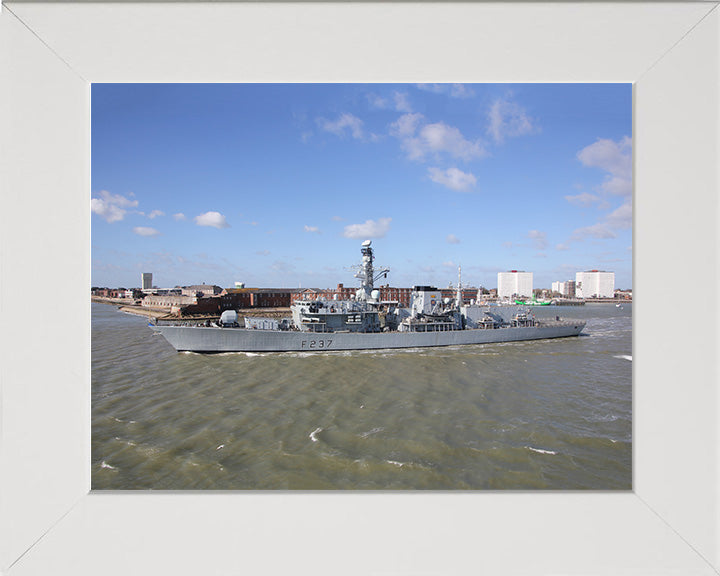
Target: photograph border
point(50, 522)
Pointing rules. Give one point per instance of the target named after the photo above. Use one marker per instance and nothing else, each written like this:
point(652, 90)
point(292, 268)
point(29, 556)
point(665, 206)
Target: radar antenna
point(366, 272)
point(458, 296)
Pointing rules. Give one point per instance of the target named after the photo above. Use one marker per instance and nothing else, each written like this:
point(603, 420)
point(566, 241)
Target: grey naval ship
point(364, 322)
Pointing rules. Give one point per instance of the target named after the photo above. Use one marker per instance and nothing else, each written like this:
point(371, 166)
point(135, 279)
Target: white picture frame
point(50, 522)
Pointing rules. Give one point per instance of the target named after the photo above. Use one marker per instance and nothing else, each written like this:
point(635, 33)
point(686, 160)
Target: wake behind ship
point(364, 322)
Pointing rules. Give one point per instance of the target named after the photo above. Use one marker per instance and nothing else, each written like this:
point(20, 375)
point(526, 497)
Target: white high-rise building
point(146, 279)
point(595, 284)
point(515, 283)
point(566, 289)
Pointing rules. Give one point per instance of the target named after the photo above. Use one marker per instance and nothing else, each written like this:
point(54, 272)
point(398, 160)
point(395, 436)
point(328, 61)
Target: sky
point(277, 185)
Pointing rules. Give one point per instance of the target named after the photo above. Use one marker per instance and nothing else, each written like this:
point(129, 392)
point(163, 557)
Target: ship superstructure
point(365, 322)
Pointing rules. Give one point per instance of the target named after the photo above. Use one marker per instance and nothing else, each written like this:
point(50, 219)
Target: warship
point(365, 322)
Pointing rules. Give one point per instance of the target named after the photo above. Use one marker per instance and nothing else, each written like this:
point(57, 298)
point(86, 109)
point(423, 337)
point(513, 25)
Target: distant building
point(167, 300)
point(468, 294)
point(201, 290)
point(233, 298)
point(108, 292)
point(566, 289)
point(400, 295)
point(134, 293)
point(203, 306)
point(339, 293)
point(387, 294)
point(163, 291)
point(595, 284)
point(515, 283)
point(146, 280)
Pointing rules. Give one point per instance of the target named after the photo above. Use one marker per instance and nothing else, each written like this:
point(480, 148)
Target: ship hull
point(212, 339)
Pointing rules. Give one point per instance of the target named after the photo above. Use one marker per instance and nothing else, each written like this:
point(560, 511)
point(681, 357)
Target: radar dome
point(367, 243)
point(375, 294)
point(228, 317)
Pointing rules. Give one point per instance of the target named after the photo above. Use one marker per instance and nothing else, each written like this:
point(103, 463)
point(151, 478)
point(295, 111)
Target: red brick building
point(387, 294)
point(233, 298)
point(468, 294)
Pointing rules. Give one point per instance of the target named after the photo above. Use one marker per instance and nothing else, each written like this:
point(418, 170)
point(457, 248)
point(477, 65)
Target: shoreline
point(277, 313)
point(123, 306)
point(147, 312)
point(164, 314)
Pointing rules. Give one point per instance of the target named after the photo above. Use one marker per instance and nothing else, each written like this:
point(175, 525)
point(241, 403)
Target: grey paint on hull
point(211, 339)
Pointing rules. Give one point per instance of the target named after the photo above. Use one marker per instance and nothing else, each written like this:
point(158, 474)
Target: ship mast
point(366, 274)
point(458, 295)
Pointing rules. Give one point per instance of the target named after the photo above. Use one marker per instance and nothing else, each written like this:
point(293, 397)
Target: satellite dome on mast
point(367, 273)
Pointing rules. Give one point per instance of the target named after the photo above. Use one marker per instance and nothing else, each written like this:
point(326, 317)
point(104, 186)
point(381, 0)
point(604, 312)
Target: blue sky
point(277, 185)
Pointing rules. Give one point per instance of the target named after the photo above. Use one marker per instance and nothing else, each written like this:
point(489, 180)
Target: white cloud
point(337, 218)
point(621, 218)
point(600, 231)
point(584, 199)
point(461, 91)
point(406, 125)
point(615, 158)
point(155, 214)
point(312, 229)
point(213, 219)
point(452, 239)
point(440, 137)
point(263, 252)
point(179, 216)
point(370, 229)
point(112, 207)
point(434, 88)
point(434, 139)
point(452, 90)
point(145, 231)
point(539, 239)
point(401, 102)
point(398, 102)
point(345, 122)
point(617, 186)
point(377, 101)
point(618, 219)
point(452, 178)
point(509, 120)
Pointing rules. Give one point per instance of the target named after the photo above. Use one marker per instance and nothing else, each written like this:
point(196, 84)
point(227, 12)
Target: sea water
point(546, 415)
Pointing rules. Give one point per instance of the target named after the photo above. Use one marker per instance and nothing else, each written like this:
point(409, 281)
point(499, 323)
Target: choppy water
point(553, 414)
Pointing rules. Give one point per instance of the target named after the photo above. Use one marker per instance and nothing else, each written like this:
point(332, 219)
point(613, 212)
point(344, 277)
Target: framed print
point(357, 367)
point(50, 520)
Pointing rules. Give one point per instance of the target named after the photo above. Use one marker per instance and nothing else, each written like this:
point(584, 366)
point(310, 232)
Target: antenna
point(458, 296)
point(366, 272)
